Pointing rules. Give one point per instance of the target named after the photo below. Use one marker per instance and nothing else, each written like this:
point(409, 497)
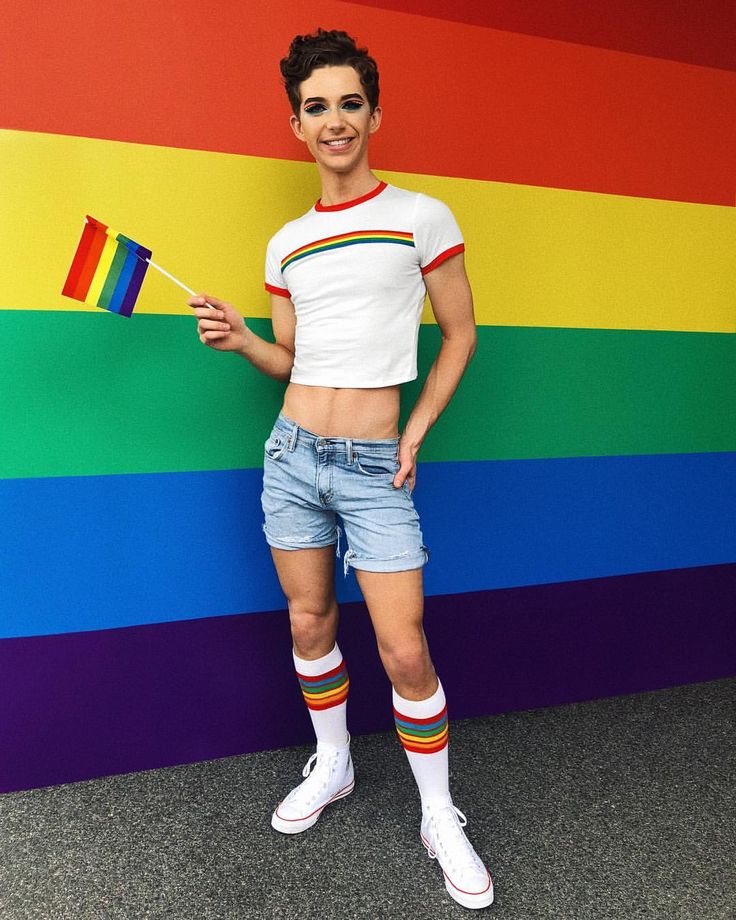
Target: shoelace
point(317, 779)
point(454, 845)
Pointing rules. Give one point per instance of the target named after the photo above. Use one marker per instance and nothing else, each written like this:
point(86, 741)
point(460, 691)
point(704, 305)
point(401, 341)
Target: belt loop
point(349, 448)
point(293, 435)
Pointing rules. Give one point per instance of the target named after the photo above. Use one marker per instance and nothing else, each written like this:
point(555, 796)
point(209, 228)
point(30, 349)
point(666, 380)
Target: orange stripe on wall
point(483, 104)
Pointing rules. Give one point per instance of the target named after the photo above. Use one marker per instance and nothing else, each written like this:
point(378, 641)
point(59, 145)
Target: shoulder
point(396, 197)
point(428, 208)
point(422, 207)
point(419, 199)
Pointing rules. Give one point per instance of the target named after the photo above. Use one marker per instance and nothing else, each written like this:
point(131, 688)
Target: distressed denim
point(310, 481)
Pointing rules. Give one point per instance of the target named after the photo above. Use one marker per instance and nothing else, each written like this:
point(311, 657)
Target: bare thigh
point(395, 602)
point(307, 578)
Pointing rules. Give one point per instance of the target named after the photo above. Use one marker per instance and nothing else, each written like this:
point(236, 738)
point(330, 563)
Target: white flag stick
point(175, 280)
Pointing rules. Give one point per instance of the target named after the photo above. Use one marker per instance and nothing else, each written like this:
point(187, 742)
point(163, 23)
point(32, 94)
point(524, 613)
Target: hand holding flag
point(221, 327)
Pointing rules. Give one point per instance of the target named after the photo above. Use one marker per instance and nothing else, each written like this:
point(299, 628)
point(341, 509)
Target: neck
point(337, 188)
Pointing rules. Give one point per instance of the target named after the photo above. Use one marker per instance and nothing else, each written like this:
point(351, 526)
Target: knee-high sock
point(423, 728)
point(324, 682)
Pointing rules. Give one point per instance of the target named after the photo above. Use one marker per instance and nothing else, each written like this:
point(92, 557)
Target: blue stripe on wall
point(99, 552)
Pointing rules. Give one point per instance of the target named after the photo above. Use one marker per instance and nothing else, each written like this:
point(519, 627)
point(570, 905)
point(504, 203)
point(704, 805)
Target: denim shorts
point(310, 480)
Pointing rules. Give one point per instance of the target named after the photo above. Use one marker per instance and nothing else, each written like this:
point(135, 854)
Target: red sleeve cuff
point(452, 251)
point(282, 292)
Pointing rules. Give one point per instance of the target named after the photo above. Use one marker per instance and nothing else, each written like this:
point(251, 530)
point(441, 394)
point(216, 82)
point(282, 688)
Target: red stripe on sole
point(344, 791)
point(461, 890)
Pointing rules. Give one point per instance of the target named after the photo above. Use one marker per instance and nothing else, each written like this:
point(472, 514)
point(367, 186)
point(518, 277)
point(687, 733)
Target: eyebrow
point(342, 98)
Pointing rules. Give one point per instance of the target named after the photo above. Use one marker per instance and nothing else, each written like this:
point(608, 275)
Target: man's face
point(334, 119)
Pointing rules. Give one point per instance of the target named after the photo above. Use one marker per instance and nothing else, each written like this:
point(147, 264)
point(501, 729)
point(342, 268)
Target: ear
point(296, 127)
point(375, 122)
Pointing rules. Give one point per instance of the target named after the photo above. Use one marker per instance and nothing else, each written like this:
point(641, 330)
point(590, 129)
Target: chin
point(341, 167)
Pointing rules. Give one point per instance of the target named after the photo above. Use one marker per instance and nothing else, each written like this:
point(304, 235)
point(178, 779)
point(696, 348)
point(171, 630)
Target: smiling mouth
point(338, 143)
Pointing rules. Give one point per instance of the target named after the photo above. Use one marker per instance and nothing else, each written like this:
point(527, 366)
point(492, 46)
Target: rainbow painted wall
point(577, 495)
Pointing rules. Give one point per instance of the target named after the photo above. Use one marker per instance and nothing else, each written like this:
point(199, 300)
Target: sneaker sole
point(297, 825)
point(466, 898)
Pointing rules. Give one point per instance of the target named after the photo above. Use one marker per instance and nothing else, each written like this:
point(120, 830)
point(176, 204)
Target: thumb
point(213, 301)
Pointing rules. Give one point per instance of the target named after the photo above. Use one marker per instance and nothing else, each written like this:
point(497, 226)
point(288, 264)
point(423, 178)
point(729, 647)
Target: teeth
point(340, 143)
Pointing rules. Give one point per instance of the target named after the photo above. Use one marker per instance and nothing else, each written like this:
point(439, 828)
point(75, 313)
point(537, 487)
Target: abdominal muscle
point(344, 412)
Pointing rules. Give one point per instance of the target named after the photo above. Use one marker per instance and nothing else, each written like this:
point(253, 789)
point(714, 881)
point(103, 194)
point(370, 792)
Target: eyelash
point(317, 108)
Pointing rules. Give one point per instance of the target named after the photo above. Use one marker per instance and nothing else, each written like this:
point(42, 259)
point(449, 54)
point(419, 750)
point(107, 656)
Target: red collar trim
point(350, 204)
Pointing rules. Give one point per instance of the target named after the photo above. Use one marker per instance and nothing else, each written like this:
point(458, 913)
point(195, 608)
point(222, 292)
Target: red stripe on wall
point(697, 33)
point(482, 103)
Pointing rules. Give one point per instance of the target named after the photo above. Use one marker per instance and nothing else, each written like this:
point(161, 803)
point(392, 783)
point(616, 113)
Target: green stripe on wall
point(94, 393)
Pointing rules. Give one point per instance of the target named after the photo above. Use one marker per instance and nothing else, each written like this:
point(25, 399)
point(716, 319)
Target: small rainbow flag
point(107, 270)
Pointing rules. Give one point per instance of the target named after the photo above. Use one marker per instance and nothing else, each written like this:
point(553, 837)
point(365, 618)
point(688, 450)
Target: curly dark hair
point(322, 49)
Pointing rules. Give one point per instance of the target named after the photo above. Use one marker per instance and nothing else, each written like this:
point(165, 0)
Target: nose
point(335, 118)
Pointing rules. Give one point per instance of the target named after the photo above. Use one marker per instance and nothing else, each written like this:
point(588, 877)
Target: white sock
point(324, 682)
point(422, 728)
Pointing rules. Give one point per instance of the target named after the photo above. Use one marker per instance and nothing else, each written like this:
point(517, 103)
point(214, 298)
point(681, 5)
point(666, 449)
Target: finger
point(403, 476)
point(210, 336)
point(205, 324)
point(213, 300)
point(206, 313)
point(201, 300)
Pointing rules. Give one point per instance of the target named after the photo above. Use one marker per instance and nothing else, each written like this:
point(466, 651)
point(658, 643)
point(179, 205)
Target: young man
point(347, 282)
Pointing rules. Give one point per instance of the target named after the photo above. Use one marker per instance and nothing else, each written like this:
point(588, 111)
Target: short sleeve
point(274, 283)
point(437, 235)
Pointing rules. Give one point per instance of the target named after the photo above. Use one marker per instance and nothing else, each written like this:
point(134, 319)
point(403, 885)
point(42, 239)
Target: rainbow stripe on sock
point(423, 736)
point(325, 690)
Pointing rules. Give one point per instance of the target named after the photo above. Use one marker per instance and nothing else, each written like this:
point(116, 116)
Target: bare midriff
point(343, 412)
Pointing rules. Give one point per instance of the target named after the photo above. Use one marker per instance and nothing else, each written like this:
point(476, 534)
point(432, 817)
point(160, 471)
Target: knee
point(312, 625)
point(408, 663)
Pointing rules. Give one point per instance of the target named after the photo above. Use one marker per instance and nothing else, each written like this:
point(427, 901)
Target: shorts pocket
point(275, 446)
point(372, 465)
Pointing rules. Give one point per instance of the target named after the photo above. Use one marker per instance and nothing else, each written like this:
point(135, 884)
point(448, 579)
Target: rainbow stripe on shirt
point(325, 690)
point(348, 239)
point(423, 736)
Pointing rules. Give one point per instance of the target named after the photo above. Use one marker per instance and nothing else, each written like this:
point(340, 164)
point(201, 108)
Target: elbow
point(463, 342)
point(471, 345)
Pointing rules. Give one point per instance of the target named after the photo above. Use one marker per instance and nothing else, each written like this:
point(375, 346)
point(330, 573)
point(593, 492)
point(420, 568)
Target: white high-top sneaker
point(331, 779)
point(466, 878)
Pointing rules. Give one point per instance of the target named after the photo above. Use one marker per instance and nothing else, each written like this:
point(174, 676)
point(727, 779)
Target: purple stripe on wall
point(81, 705)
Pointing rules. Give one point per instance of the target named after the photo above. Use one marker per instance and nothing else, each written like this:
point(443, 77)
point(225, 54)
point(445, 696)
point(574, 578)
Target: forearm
point(270, 358)
point(442, 381)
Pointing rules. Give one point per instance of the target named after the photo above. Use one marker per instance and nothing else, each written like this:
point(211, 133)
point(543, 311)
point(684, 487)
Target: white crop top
point(359, 306)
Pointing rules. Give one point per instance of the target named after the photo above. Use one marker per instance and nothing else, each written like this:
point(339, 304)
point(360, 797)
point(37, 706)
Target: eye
point(314, 108)
point(352, 105)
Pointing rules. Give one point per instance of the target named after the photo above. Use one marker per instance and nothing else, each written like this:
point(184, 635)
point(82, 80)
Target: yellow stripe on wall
point(535, 256)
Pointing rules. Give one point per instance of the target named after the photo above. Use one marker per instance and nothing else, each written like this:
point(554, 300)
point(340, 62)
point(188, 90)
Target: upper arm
point(451, 298)
point(283, 319)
